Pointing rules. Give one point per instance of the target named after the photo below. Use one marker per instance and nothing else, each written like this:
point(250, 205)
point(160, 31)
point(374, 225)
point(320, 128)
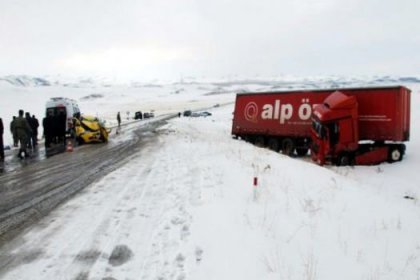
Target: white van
point(59, 105)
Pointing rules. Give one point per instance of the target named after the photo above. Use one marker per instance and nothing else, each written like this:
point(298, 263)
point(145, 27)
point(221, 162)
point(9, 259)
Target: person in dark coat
point(22, 130)
point(12, 130)
point(1, 141)
point(30, 135)
point(34, 126)
point(119, 119)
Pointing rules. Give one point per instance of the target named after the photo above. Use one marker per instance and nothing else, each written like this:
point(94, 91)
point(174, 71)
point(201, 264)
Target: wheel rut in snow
point(28, 194)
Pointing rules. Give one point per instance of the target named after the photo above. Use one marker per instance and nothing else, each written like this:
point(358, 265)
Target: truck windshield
point(333, 133)
point(319, 129)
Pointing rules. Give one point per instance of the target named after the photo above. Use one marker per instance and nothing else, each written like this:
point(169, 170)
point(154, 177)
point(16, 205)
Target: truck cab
point(336, 131)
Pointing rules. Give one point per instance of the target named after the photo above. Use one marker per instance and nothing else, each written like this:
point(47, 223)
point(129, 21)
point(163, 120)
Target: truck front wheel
point(344, 160)
point(302, 151)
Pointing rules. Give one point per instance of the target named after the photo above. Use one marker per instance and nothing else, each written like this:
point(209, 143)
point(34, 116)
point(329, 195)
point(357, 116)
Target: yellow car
point(90, 130)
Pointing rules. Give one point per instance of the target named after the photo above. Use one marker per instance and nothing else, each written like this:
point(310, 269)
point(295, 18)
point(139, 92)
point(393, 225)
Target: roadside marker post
point(69, 146)
point(255, 187)
point(255, 180)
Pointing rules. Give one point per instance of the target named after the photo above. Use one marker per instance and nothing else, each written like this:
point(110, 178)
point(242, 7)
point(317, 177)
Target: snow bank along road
point(30, 192)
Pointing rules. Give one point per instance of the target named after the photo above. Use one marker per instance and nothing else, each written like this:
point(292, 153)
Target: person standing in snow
point(1, 141)
point(22, 130)
point(34, 126)
point(119, 120)
point(30, 133)
point(12, 130)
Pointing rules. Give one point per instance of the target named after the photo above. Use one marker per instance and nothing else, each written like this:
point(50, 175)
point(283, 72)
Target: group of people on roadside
point(30, 134)
point(24, 130)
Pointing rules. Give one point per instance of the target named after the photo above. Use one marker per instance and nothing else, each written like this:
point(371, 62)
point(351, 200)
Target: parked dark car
point(138, 115)
point(187, 113)
point(147, 115)
point(205, 114)
point(200, 114)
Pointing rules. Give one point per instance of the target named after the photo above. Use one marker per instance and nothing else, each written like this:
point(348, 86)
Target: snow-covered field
point(186, 208)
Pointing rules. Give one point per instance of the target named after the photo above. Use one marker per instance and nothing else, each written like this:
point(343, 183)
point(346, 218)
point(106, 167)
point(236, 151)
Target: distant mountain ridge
point(281, 81)
point(25, 81)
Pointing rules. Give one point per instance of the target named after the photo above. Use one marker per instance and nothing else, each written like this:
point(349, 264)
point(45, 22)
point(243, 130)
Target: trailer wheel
point(259, 141)
point(287, 146)
point(302, 151)
point(343, 160)
point(395, 154)
point(273, 144)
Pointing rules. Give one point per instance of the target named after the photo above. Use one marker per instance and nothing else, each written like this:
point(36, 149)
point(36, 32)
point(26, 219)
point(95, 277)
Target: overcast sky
point(209, 38)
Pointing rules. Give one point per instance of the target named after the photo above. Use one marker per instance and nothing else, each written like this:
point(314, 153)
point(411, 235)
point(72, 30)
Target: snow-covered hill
point(24, 81)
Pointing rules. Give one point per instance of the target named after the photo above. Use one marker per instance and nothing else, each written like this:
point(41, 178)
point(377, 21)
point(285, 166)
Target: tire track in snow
point(171, 256)
point(99, 238)
point(138, 225)
point(164, 239)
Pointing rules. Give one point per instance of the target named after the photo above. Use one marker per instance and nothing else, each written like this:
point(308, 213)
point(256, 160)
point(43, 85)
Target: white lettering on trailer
point(279, 111)
point(276, 109)
point(305, 110)
point(286, 112)
point(267, 113)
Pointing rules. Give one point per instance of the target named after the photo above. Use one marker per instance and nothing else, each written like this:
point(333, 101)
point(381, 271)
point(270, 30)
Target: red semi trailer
point(279, 120)
point(284, 120)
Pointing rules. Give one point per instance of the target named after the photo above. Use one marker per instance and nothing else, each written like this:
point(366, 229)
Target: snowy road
point(133, 214)
point(97, 222)
point(30, 190)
